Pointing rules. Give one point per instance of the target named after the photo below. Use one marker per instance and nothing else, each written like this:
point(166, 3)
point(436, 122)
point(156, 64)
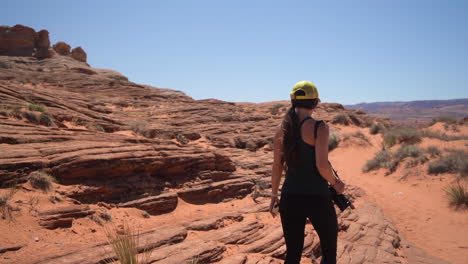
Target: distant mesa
point(24, 41)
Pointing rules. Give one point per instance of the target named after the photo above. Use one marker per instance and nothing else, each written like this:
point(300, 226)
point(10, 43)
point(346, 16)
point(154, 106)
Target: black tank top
point(304, 177)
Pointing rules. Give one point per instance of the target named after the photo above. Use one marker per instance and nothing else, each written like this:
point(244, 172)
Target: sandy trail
point(418, 206)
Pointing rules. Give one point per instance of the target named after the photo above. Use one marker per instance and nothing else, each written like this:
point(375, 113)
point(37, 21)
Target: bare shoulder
point(323, 129)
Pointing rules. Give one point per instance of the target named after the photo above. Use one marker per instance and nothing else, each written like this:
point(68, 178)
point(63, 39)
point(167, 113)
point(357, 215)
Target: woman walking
point(301, 151)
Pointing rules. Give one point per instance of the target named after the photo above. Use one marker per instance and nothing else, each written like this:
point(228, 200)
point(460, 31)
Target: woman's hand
point(339, 186)
point(274, 203)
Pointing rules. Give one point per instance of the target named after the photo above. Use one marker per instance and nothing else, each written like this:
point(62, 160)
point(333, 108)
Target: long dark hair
point(291, 131)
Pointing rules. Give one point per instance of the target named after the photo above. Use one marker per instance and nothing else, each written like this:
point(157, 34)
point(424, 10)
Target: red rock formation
point(78, 54)
point(43, 45)
point(62, 48)
point(17, 41)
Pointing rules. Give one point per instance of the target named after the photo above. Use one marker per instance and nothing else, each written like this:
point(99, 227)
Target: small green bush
point(355, 119)
point(341, 119)
point(31, 117)
point(458, 196)
point(140, 127)
point(275, 109)
point(401, 135)
point(381, 160)
point(375, 128)
point(37, 107)
point(455, 162)
point(46, 120)
point(433, 151)
point(443, 119)
point(333, 142)
point(41, 180)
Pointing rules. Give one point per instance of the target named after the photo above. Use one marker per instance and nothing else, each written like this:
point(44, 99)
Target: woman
point(301, 150)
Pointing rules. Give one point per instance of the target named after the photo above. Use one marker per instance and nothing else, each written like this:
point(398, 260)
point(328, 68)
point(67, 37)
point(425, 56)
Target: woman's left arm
point(277, 169)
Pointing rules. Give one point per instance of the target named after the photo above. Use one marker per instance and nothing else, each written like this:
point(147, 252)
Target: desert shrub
point(31, 117)
point(124, 243)
point(333, 142)
point(106, 216)
point(275, 109)
point(401, 135)
point(340, 119)
point(433, 151)
point(442, 136)
point(443, 119)
point(407, 151)
point(375, 128)
point(140, 127)
point(37, 107)
point(5, 208)
point(4, 65)
point(458, 195)
point(455, 162)
point(119, 78)
point(355, 119)
point(41, 180)
point(381, 160)
point(45, 119)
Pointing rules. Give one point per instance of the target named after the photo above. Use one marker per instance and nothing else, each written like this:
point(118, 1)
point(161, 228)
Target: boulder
point(62, 48)
point(78, 54)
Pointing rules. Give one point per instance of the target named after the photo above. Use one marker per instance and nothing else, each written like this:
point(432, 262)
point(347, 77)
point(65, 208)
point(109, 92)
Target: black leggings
point(294, 210)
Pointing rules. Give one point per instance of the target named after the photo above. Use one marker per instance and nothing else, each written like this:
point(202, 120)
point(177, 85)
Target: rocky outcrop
point(62, 48)
point(63, 217)
point(78, 54)
point(18, 40)
point(43, 45)
point(154, 204)
point(24, 41)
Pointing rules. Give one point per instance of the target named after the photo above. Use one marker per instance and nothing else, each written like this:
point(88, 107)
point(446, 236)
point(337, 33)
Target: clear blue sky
point(255, 50)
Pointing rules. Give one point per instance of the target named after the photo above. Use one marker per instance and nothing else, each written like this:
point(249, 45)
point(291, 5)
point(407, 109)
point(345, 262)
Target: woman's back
point(303, 177)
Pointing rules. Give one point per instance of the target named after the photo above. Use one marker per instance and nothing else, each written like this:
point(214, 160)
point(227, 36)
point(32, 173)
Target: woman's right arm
point(321, 158)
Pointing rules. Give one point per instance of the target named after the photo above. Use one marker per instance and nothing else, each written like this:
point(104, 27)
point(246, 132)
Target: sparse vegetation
point(37, 107)
point(458, 195)
point(441, 136)
point(31, 117)
point(4, 65)
point(119, 78)
point(275, 109)
point(341, 119)
point(401, 135)
point(5, 207)
point(140, 127)
point(443, 119)
point(106, 216)
point(124, 242)
point(333, 142)
point(46, 120)
point(433, 151)
point(381, 160)
point(356, 120)
point(41, 180)
point(456, 161)
point(375, 128)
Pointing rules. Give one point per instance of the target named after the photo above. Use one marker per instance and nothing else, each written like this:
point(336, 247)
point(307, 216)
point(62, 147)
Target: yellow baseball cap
point(307, 87)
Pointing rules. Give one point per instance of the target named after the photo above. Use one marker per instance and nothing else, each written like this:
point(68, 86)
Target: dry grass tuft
point(124, 242)
point(41, 180)
point(458, 195)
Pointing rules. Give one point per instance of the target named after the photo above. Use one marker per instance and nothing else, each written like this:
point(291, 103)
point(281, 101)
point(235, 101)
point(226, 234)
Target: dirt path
point(418, 206)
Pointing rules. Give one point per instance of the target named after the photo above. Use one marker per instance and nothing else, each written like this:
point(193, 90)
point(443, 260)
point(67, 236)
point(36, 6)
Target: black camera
point(340, 200)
